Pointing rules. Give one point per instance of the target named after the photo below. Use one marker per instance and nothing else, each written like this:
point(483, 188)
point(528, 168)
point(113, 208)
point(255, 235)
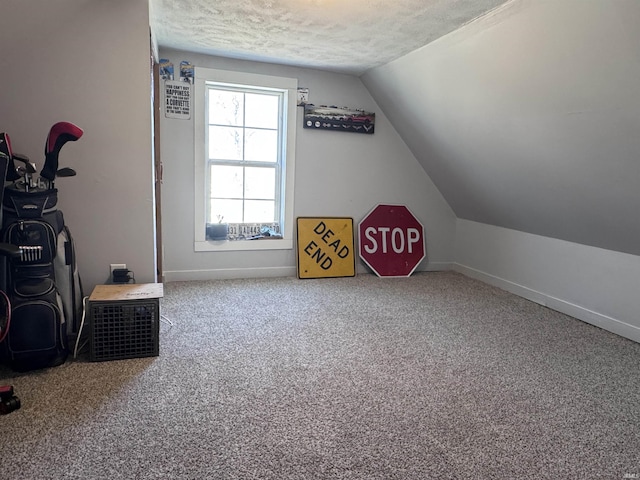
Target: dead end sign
point(325, 247)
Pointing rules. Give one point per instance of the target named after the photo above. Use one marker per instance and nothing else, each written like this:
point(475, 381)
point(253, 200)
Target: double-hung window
point(245, 146)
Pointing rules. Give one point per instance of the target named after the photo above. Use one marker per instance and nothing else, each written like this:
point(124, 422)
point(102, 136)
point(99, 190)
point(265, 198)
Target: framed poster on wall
point(339, 119)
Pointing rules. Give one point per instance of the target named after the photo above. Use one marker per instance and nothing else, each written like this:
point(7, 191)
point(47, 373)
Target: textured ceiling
point(349, 36)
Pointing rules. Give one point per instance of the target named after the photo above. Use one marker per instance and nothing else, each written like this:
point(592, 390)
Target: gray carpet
point(437, 376)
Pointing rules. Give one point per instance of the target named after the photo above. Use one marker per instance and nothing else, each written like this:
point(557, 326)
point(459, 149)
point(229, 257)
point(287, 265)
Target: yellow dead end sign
point(325, 247)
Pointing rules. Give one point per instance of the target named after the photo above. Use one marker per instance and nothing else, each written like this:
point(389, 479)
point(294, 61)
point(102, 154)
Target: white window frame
point(249, 80)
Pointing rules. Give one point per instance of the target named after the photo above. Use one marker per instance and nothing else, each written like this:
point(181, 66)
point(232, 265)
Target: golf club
point(26, 171)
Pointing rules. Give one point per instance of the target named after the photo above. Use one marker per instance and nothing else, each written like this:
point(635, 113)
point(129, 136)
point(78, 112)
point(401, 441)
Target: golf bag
point(42, 283)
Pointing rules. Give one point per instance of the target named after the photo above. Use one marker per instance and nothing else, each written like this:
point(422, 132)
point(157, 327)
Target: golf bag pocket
point(37, 240)
point(68, 280)
point(48, 252)
point(37, 336)
point(33, 204)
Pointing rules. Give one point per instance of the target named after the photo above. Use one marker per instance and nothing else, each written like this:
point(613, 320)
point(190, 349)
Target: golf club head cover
point(60, 133)
point(5, 147)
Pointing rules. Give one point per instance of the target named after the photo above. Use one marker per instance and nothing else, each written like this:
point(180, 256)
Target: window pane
point(226, 107)
point(225, 143)
point(262, 110)
point(261, 145)
point(230, 211)
point(259, 211)
point(226, 181)
point(260, 183)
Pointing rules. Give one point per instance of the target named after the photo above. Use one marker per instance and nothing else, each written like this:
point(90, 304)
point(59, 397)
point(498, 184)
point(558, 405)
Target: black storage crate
point(124, 329)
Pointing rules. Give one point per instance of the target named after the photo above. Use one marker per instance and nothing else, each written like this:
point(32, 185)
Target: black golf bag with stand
point(42, 283)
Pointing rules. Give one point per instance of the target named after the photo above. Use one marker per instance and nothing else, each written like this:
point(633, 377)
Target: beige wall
point(87, 62)
point(337, 174)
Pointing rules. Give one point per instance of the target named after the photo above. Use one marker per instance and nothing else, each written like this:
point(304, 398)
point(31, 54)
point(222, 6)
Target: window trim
point(201, 77)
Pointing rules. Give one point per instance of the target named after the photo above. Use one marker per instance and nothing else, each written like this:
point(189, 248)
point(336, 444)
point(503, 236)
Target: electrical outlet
point(116, 266)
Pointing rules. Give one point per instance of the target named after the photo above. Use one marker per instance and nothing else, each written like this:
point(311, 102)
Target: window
point(244, 149)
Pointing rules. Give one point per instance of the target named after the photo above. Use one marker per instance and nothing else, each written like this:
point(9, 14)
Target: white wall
point(528, 118)
point(87, 62)
point(337, 174)
point(595, 285)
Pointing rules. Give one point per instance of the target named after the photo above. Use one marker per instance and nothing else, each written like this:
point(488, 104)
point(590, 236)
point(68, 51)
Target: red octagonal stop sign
point(391, 241)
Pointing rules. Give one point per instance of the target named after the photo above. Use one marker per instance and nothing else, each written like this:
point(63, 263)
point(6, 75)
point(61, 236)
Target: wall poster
point(340, 119)
point(177, 99)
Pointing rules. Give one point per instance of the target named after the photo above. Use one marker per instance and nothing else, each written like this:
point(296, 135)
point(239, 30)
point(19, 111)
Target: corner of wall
point(591, 284)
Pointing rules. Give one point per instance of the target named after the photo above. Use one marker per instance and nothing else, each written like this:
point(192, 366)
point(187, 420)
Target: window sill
point(243, 245)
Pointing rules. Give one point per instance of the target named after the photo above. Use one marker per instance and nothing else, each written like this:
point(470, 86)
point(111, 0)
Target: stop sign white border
point(424, 247)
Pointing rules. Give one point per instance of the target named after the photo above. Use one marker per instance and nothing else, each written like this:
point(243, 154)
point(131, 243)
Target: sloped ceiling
point(529, 118)
point(349, 36)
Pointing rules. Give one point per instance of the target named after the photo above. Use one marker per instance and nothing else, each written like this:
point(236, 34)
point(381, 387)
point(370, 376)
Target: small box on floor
point(124, 321)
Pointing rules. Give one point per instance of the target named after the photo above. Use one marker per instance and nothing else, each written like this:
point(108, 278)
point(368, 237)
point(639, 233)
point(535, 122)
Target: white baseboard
point(235, 273)
point(436, 267)
point(228, 273)
point(581, 313)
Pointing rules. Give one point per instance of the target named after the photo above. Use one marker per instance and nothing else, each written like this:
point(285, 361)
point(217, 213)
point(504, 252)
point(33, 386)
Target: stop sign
point(391, 241)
